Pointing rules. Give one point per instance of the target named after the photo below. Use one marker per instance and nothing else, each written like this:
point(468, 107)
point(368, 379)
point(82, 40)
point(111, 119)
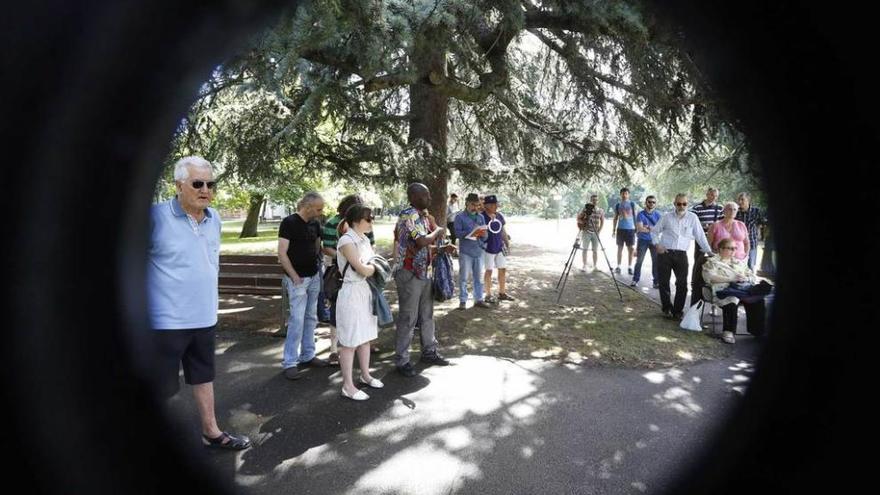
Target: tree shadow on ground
point(485, 425)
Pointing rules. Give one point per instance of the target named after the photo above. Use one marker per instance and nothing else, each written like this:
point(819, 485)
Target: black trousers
point(697, 275)
point(755, 316)
point(669, 262)
point(450, 232)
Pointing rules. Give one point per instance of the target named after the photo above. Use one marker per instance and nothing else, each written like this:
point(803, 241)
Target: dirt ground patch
point(590, 326)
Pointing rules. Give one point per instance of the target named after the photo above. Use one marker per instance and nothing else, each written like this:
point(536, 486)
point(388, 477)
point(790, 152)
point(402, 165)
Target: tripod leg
point(565, 272)
point(610, 270)
point(567, 264)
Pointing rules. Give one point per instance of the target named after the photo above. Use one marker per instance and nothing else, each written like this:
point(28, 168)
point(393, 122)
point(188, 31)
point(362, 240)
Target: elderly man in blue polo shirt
point(182, 270)
point(673, 236)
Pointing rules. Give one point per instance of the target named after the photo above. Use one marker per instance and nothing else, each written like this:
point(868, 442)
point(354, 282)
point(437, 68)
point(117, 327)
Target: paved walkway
point(482, 425)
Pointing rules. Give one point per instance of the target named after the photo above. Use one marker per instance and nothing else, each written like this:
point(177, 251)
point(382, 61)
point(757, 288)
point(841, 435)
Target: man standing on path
point(751, 216)
point(470, 227)
point(624, 228)
point(451, 211)
point(299, 247)
point(183, 266)
point(416, 234)
point(645, 221)
point(590, 228)
point(708, 212)
point(496, 245)
point(672, 236)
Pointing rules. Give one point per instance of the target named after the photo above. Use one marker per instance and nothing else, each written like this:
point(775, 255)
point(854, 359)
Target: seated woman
point(733, 282)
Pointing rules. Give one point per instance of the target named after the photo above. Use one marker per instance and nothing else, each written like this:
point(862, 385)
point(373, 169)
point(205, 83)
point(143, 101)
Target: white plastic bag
point(691, 320)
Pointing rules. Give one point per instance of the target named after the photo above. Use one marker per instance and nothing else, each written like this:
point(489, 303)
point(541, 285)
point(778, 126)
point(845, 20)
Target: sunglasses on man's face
point(681, 204)
point(651, 202)
point(198, 184)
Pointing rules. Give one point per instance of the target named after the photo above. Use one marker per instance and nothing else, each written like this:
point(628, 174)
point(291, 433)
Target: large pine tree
point(500, 91)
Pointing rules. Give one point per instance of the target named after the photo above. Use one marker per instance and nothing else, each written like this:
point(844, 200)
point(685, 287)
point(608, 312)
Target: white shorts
point(492, 261)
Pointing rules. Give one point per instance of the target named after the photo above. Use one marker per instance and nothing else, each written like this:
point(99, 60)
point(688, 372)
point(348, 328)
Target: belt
point(676, 251)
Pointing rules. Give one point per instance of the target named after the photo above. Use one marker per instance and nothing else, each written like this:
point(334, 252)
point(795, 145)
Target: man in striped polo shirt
point(708, 212)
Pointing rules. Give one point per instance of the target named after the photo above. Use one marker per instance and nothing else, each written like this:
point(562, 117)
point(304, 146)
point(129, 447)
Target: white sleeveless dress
point(355, 322)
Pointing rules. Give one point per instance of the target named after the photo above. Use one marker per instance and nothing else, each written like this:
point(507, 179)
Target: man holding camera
point(590, 221)
point(495, 249)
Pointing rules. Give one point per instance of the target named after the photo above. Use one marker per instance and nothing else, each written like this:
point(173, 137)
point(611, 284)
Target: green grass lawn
point(267, 240)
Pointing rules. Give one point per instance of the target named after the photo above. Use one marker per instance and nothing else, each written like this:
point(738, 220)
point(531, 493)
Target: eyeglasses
point(681, 204)
point(198, 184)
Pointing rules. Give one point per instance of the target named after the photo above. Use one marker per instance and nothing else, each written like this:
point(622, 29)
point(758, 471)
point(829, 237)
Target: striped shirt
point(752, 218)
point(329, 235)
point(707, 214)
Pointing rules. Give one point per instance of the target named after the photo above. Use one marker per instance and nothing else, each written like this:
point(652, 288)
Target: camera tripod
point(563, 278)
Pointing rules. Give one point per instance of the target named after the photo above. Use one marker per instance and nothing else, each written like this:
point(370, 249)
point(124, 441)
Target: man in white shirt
point(673, 235)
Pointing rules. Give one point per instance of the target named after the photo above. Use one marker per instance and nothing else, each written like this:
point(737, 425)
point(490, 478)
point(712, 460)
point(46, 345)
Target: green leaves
point(538, 93)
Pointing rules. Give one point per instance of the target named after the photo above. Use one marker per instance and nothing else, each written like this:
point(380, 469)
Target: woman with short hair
point(730, 228)
point(356, 325)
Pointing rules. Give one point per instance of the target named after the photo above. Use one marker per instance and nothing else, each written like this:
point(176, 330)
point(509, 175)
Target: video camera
point(588, 209)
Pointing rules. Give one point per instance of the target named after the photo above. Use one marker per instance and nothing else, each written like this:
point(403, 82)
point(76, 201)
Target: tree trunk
point(430, 110)
point(249, 229)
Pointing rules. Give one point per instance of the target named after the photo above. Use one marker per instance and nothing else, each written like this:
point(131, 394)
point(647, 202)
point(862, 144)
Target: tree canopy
point(512, 92)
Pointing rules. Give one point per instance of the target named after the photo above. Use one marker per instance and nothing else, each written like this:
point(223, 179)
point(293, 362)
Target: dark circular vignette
point(91, 95)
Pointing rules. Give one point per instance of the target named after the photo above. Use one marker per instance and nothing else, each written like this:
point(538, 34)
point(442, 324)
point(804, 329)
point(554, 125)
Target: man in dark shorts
point(624, 228)
point(182, 270)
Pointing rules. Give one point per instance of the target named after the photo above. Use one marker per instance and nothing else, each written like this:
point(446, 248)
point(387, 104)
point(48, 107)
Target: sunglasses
point(651, 202)
point(681, 204)
point(198, 184)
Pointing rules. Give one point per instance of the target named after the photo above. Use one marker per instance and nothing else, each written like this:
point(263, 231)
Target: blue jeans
point(323, 309)
point(302, 320)
point(753, 257)
point(640, 257)
point(470, 266)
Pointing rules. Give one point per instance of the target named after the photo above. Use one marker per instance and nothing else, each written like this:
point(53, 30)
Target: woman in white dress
point(356, 325)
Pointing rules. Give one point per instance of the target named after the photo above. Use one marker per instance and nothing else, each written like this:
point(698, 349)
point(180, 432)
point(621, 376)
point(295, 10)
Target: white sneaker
point(728, 337)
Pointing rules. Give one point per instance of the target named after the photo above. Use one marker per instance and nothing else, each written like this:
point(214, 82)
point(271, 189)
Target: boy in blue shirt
point(624, 228)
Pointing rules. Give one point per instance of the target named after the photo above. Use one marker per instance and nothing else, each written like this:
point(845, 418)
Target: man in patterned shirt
point(416, 233)
point(752, 217)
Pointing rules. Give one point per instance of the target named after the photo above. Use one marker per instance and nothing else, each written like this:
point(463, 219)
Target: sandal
point(231, 442)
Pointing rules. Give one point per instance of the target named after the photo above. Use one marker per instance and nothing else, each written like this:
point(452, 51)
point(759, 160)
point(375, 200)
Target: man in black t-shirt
point(299, 248)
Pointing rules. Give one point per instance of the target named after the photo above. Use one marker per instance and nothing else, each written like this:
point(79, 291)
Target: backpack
point(443, 286)
point(333, 279)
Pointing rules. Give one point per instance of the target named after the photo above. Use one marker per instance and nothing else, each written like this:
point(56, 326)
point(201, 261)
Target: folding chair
point(710, 299)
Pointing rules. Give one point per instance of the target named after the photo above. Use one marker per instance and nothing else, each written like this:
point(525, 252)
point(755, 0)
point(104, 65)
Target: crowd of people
point(183, 267)
point(730, 230)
